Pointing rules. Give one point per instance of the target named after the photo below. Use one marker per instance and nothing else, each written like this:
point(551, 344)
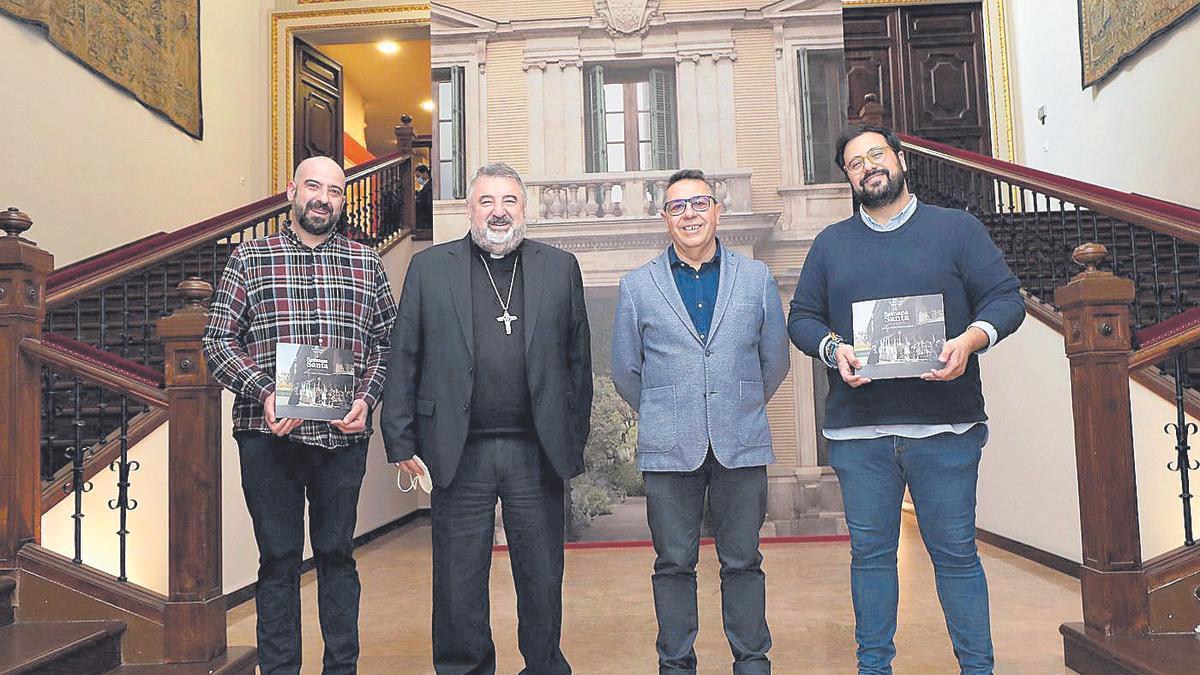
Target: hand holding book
point(955, 353)
point(848, 365)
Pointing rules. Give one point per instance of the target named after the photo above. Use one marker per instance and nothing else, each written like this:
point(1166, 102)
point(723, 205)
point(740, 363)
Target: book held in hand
point(899, 337)
point(313, 382)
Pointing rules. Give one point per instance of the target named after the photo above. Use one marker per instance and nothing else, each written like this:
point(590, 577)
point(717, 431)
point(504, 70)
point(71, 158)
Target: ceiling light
point(427, 105)
point(388, 46)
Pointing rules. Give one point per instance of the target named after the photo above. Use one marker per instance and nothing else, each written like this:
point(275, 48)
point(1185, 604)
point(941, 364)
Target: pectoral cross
point(507, 319)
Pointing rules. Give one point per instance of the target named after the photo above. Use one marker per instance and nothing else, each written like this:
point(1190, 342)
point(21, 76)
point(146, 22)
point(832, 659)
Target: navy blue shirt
point(698, 288)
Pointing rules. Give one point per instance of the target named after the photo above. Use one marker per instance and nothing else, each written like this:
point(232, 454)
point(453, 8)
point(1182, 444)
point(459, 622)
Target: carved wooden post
point(872, 110)
point(194, 620)
point(404, 135)
point(1095, 307)
point(23, 270)
point(404, 145)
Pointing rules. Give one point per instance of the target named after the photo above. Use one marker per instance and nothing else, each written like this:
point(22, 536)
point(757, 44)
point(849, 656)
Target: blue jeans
point(941, 473)
point(278, 475)
point(737, 500)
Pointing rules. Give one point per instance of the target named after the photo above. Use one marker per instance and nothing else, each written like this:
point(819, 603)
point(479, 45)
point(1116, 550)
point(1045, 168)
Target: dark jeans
point(941, 473)
point(277, 475)
point(675, 507)
point(531, 496)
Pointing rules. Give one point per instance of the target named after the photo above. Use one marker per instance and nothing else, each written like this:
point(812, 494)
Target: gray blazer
point(690, 393)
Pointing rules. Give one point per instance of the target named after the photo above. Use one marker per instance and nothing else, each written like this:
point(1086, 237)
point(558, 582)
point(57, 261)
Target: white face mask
point(421, 181)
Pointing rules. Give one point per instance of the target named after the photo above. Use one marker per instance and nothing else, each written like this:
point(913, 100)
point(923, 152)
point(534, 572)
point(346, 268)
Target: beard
point(498, 243)
point(887, 192)
point(315, 224)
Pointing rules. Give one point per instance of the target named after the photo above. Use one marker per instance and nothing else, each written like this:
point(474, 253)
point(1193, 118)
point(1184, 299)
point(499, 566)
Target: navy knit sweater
point(938, 250)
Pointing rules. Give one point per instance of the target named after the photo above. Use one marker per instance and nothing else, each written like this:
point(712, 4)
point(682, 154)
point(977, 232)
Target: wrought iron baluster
point(123, 466)
point(1182, 429)
point(49, 424)
point(1137, 281)
point(1158, 286)
point(77, 454)
point(164, 311)
point(146, 318)
point(1176, 278)
point(1062, 260)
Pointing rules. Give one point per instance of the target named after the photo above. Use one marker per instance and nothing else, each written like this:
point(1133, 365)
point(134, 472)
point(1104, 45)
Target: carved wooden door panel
point(946, 77)
point(926, 64)
point(317, 113)
point(872, 62)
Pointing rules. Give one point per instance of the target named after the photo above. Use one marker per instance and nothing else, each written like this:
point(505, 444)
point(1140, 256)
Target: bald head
point(317, 193)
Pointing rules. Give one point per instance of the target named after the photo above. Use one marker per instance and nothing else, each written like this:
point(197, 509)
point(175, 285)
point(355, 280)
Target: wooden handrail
point(94, 374)
point(200, 233)
point(1165, 217)
point(1165, 349)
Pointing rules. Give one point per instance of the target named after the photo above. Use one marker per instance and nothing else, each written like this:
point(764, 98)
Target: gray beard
point(479, 236)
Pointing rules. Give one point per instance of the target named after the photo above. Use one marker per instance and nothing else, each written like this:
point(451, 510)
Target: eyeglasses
point(875, 154)
point(700, 204)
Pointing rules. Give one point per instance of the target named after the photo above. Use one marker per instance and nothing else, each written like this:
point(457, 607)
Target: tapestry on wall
point(1111, 31)
point(149, 48)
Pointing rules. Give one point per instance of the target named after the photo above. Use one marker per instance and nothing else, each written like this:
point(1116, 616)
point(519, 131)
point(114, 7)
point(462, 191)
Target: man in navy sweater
point(925, 433)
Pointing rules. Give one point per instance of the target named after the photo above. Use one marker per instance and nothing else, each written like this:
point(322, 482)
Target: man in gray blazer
point(699, 346)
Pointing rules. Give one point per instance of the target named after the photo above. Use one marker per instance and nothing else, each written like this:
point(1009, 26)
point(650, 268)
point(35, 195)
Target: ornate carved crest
point(626, 17)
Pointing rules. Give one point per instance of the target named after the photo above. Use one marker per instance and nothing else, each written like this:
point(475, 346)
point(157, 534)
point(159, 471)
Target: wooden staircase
point(85, 647)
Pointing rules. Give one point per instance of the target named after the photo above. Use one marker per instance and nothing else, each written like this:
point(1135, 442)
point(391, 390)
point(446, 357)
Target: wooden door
point(317, 105)
point(927, 66)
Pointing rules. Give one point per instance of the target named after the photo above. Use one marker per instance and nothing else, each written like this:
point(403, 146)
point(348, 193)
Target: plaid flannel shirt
point(276, 289)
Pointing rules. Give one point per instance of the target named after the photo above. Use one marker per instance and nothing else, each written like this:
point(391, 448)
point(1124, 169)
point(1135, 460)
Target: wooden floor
point(609, 625)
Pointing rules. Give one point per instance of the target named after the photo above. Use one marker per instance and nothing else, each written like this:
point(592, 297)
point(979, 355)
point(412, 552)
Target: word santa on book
point(899, 337)
point(313, 382)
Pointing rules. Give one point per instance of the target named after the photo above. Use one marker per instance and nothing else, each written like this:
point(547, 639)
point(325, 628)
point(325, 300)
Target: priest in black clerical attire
point(490, 383)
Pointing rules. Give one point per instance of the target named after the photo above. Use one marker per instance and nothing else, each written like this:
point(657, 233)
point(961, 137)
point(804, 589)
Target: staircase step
point(76, 647)
point(8, 588)
point(235, 661)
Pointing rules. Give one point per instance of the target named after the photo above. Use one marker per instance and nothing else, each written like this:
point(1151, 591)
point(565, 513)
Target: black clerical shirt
point(500, 402)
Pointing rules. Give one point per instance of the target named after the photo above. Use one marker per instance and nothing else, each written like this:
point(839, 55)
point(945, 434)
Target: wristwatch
point(831, 347)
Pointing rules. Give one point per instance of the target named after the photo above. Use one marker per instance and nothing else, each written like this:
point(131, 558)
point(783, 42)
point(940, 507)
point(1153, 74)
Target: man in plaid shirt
point(311, 286)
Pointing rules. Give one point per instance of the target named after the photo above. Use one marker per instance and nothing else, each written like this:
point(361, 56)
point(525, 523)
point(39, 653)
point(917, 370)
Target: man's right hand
point(848, 363)
point(411, 467)
point(279, 427)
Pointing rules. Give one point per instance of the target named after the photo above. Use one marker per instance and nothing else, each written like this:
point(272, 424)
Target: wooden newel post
point(23, 270)
point(872, 110)
point(194, 621)
point(404, 145)
point(404, 135)
point(1095, 307)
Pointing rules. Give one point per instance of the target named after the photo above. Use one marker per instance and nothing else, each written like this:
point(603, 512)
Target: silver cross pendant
point(507, 319)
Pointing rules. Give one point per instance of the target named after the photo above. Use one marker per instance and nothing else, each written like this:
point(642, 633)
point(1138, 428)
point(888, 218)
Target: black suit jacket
point(426, 408)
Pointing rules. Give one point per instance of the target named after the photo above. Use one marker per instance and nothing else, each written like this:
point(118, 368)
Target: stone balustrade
point(627, 195)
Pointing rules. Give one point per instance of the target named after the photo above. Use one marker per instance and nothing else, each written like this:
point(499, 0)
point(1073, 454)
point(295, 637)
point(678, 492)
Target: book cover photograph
point(899, 337)
point(312, 382)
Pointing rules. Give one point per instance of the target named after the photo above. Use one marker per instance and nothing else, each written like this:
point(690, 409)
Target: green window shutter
point(594, 127)
point(664, 142)
point(458, 119)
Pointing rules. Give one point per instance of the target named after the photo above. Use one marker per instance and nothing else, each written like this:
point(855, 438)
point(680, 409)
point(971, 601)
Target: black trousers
point(513, 470)
point(737, 500)
point(277, 476)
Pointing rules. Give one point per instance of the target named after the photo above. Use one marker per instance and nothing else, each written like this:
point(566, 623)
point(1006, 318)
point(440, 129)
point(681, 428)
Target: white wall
point(1028, 488)
point(1138, 131)
point(95, 169)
